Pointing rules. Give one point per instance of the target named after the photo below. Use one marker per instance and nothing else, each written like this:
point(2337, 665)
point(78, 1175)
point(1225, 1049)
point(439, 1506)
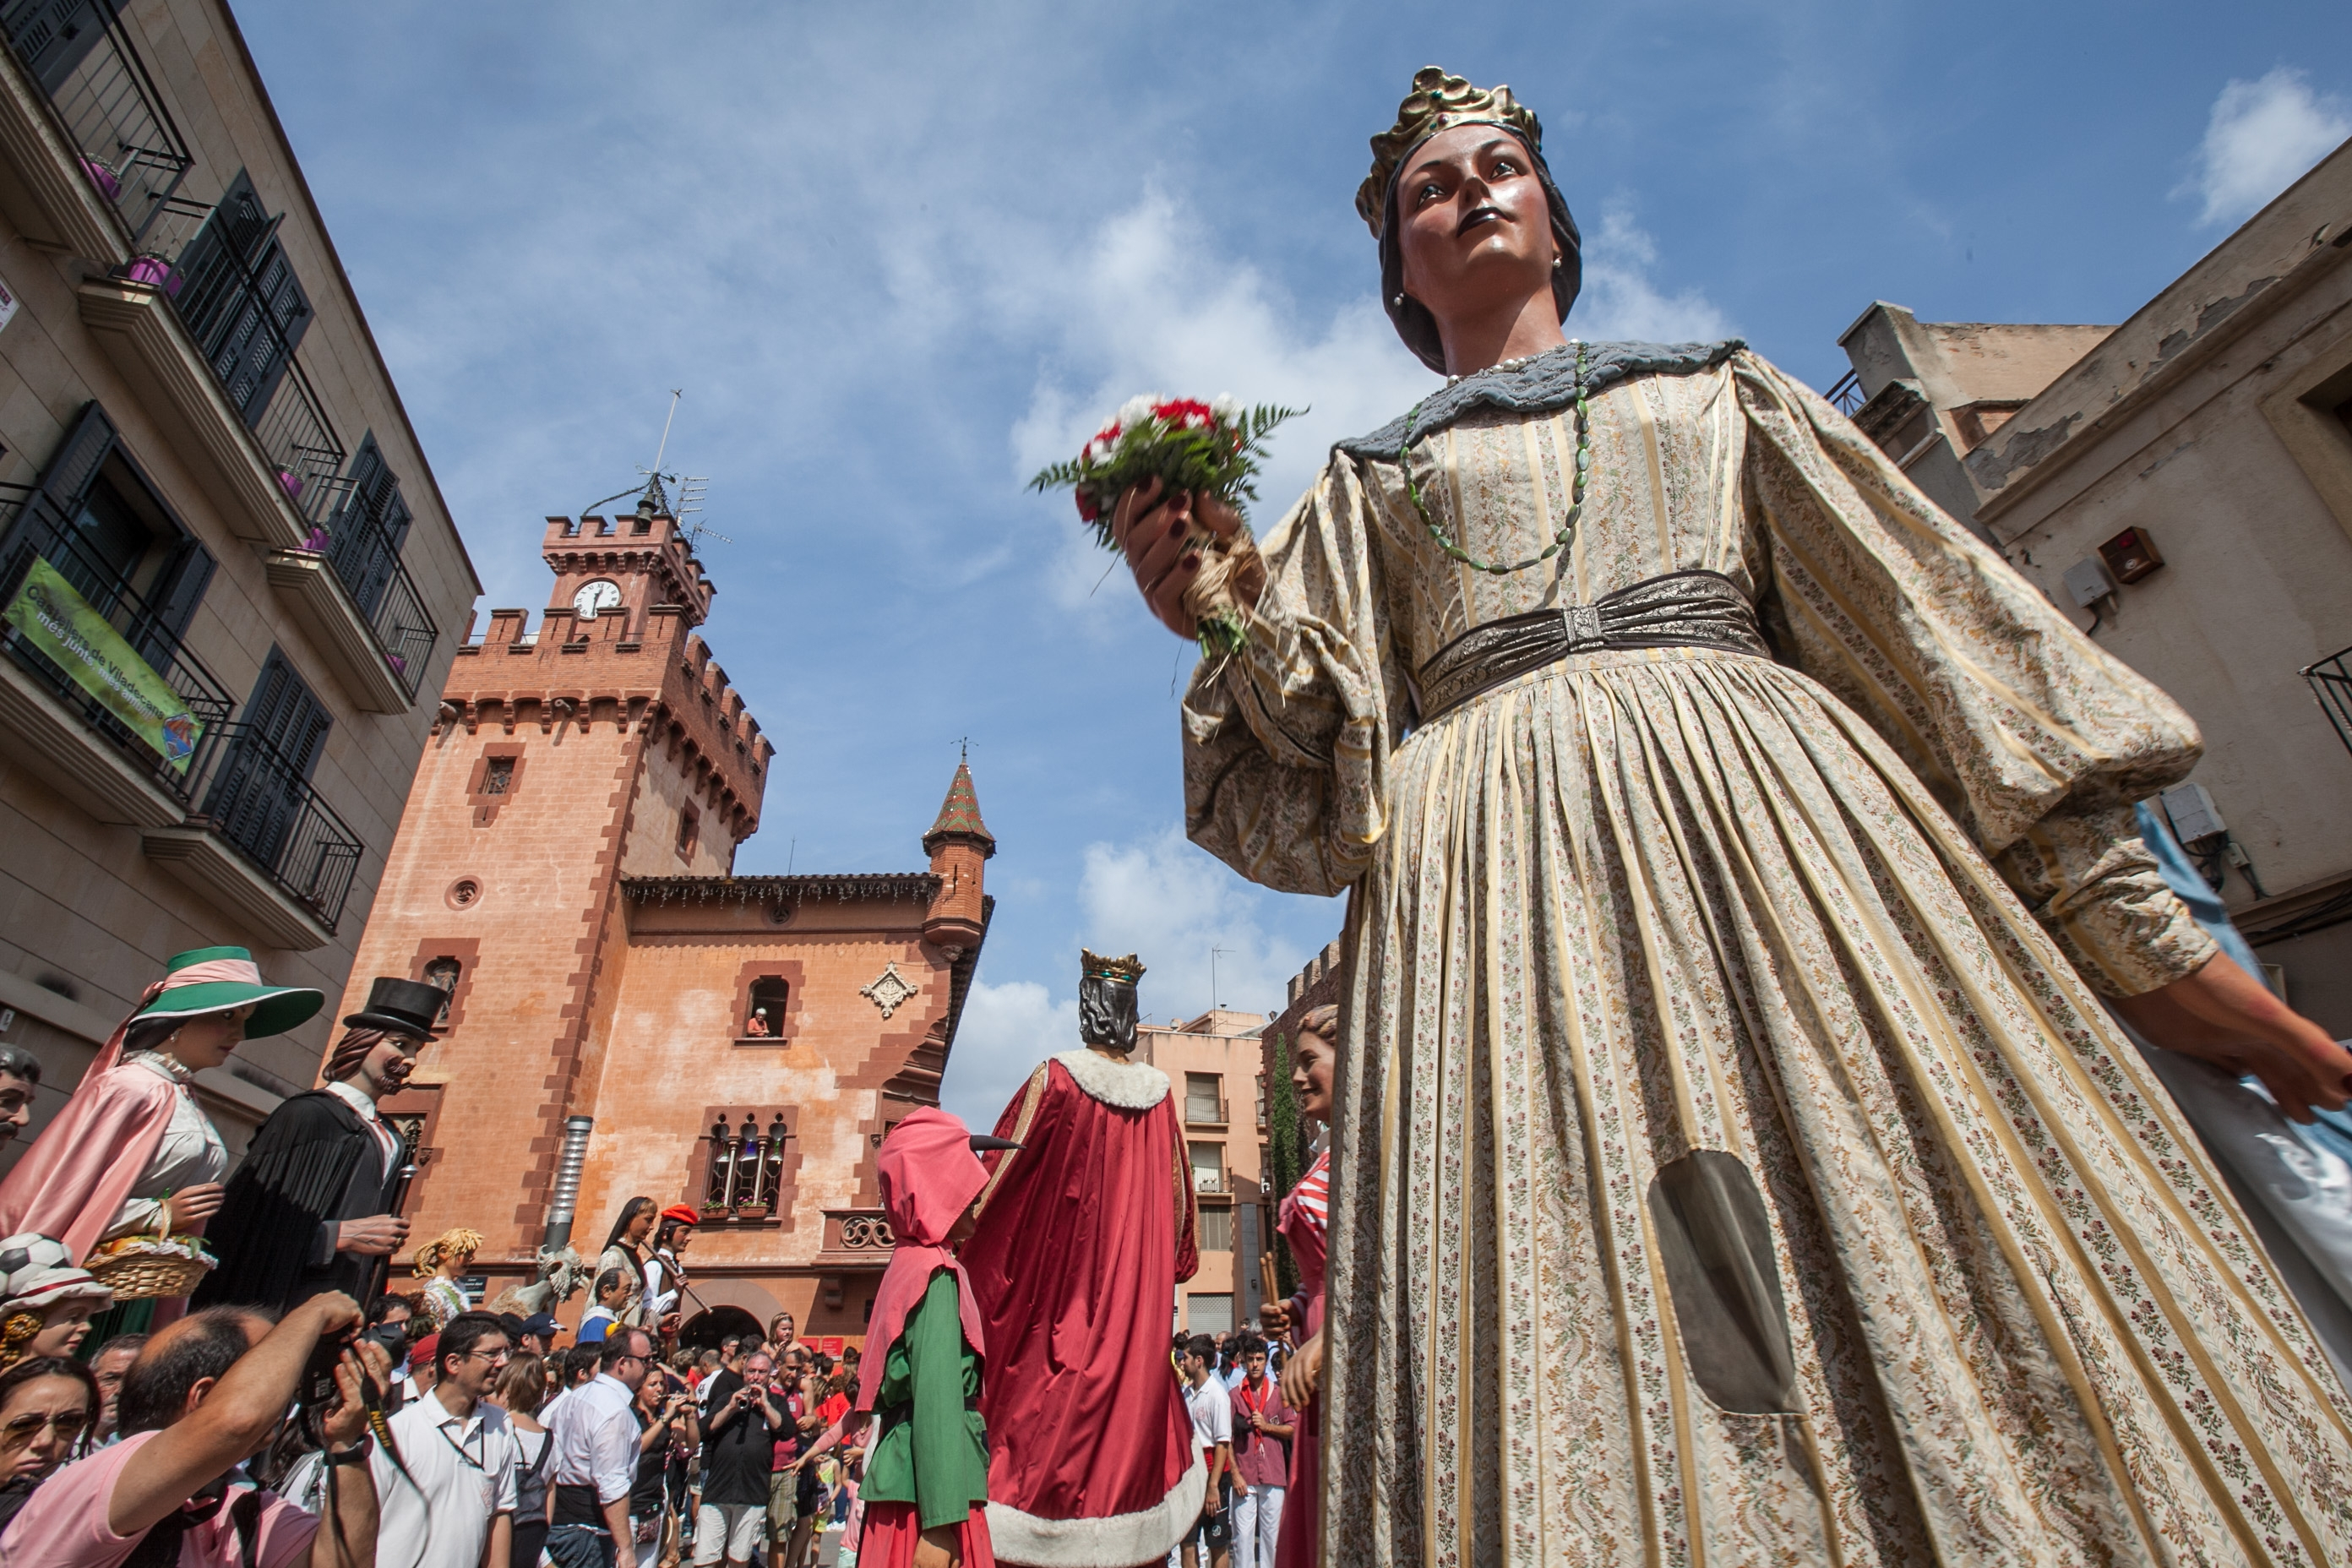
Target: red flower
point(1181, 411)
point(1088, 509)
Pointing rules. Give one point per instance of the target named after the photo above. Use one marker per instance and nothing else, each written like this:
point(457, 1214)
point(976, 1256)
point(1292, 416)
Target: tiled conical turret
point(959, 845)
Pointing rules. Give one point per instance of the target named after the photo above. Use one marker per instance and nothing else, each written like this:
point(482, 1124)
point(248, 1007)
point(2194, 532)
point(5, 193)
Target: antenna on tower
point(689, 501)
point(657, 502)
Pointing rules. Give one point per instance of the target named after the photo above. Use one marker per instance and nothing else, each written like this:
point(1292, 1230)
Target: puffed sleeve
point(1287, 743)
point(2036, 739)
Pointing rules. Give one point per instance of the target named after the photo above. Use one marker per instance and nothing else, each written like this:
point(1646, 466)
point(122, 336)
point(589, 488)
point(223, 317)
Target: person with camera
point(739, 1443)
point(454, 1507)
point(667, 1413)
point(206, 1393)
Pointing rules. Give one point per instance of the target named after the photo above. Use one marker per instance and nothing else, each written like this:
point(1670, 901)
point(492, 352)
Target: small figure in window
point(758, 1027)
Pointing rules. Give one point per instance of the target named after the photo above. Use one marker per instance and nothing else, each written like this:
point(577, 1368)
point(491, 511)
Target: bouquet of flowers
point(1211, 447)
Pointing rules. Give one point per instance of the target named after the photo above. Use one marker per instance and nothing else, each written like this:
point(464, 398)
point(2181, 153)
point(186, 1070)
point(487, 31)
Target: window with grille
point(1209, 1312)
point(500, 777)
point(1216, 1230)
point(1208, 1167)
point(1204, 1097)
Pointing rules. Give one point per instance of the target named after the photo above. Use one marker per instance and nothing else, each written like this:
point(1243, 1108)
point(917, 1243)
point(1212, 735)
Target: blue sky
point(900, 255)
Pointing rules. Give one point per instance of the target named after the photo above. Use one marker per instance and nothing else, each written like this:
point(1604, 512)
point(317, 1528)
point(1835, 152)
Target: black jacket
point(313, 1163)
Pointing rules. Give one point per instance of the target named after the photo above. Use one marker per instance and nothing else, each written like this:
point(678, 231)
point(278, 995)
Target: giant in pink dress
point(1304, 1222)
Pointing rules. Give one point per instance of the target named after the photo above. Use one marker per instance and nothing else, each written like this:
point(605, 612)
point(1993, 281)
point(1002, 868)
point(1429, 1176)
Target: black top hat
point(401, 1007)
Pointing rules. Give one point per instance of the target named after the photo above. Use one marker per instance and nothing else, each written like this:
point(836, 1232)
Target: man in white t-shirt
point(1208, 1544)
point(454, 1507)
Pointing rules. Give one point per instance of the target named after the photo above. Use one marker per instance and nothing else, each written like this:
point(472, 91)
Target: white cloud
point(1170, 903)
point(1620, 302)
point(2262, 135)
point(1006, 1030)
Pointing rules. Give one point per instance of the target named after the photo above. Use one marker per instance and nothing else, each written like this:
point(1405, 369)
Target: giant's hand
point(1154, 532)
point(191, 1207)
point(1302, 1374)
point(2224, 1016)
point(378, 1235)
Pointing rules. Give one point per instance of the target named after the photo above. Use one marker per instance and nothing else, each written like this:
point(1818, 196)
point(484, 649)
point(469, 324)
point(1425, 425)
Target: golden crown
point(1437, 102)
point(1095, 966)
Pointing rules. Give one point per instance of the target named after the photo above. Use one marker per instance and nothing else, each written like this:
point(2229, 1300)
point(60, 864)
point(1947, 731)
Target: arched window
point(765, 1016)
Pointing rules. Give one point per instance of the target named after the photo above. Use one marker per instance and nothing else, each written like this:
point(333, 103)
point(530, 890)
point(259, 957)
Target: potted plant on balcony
point(315, 541)
point(713, 1210)
point(751, 1211)
point(154, 271)
point(103, 178)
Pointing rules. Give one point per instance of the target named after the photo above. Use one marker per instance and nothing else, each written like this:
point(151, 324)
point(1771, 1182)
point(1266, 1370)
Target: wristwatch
point(357, 1454)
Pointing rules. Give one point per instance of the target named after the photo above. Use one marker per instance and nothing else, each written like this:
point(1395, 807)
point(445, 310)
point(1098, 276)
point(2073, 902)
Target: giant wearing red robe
point(1084, 1231)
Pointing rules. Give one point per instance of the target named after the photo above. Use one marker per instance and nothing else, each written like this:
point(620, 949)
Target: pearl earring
point(1398, 301)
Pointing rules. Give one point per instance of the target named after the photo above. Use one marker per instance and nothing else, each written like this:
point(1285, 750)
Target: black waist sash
point(575, 1504)
point(1678, 610)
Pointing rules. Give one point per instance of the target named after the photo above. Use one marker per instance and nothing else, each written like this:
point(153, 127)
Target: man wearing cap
point(311, 1207)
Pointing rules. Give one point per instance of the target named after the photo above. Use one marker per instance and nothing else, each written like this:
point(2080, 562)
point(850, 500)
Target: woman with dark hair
point(1741, 862)
point(46, 1402)
point(625, 1249)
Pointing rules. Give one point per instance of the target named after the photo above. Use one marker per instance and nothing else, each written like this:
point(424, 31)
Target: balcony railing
point(369, 565)
point(218, 299)
point(256, 801)
point(1846, 395)
point(747, 1168)
point(32, 528)
point(1201, 1111)
point(83, 58)
point(2331, 682)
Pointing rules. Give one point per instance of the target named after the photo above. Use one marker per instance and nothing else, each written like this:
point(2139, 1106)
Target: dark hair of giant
point(462, 1334)
point(15, 1061)
point(155, 1389)
point(1107, 1013)
point(607, 1282)
point(1412, 320)
point(666, 1231)
point(619, 1228)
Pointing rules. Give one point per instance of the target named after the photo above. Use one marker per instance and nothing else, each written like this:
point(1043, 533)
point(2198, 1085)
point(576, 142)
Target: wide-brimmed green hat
point(209, 979)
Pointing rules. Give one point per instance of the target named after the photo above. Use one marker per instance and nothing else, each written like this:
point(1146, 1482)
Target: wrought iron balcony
point(81, 55)
point(746, 1168)
point(255, 801)
point(368, 563)
point(1846, 395)
point(33, 528)
point(237, 319)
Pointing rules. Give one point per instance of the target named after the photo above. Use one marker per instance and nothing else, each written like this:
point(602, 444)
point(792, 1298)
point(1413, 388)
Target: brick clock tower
point(626, 1017)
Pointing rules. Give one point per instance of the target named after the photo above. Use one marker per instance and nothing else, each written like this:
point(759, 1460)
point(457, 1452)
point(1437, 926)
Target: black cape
point(312, 1165)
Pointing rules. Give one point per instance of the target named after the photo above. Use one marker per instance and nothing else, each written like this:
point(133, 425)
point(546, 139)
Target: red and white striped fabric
point(1314, 1190)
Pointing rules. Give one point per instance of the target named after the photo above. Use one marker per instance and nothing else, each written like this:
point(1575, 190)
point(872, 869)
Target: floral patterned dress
point(1733, 1163)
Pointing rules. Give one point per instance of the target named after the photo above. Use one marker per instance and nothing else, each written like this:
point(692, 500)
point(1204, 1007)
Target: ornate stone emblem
point(891, 992)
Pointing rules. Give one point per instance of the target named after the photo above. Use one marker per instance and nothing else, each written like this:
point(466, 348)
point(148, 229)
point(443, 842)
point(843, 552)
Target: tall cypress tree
point(1284, 1164)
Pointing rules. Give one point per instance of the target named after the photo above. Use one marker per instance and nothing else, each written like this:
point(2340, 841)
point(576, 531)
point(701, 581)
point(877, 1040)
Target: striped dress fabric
point(1732, 1159)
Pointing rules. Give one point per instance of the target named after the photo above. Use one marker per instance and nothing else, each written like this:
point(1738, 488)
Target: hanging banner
point(48, 614)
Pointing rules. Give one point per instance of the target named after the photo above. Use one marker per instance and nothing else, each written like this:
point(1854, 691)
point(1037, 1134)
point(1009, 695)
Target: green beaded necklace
point(1576, 500)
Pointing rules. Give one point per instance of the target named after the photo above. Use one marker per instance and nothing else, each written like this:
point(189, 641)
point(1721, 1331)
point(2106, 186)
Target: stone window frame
point(467, 952)
point(783, 1201)
point(2304, 412)
point(486, 804)
point(753, 970)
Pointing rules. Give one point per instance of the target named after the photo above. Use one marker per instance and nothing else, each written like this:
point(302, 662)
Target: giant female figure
point(1734, 1159)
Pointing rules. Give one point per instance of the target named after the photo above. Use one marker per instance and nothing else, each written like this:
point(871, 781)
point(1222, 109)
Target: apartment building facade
point(2182, 485)
point(1213, 1064)
point(229, 588)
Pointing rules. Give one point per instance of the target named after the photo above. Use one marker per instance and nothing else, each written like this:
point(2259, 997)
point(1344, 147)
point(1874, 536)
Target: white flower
point(1196, 422)
point(1136, 410)
point(1226, 407)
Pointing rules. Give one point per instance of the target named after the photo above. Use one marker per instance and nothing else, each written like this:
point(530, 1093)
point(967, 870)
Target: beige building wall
point(111, 861)
point(2217, 422)
point(1213, 1063)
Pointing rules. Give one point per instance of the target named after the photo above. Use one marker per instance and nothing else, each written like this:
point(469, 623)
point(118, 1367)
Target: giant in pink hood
point(929, 1176)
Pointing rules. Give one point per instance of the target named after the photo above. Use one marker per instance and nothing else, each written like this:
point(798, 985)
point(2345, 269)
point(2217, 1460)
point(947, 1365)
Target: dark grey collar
point(1540, 384)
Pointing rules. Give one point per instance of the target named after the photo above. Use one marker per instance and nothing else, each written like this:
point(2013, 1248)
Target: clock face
point(595, 598)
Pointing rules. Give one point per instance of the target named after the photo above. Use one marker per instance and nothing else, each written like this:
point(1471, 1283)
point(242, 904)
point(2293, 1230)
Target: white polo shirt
point(461, 1473)
point(1212, 1414)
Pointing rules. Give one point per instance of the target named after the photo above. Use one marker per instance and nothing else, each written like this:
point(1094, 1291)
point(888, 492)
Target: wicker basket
point(138, 1277)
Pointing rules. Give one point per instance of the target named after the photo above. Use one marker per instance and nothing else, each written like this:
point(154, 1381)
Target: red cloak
point(1084, 1233)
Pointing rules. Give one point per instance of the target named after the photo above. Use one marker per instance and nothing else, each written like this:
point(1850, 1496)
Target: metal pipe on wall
point(567, 1181)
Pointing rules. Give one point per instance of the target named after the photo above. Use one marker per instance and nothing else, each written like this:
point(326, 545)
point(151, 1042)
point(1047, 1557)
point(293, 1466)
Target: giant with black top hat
point(400, 1007)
